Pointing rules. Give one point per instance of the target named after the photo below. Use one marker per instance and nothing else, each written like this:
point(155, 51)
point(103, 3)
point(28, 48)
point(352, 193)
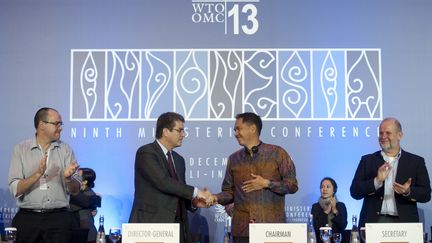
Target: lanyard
point(47, 153)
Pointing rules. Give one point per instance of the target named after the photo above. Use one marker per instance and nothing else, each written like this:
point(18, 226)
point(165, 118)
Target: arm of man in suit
point(148, 164)
point(363, 183)
point(417, 189)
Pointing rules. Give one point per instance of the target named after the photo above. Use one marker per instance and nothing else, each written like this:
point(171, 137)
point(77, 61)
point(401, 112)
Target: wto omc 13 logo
point(237, 16)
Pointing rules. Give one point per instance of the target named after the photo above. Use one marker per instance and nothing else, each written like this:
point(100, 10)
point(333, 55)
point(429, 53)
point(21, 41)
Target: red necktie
point(174, 176)
point(171, 166)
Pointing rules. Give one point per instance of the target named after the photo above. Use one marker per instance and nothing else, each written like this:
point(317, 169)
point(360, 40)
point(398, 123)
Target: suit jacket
point(320, 219)
point(156, 192)
point(409, 166)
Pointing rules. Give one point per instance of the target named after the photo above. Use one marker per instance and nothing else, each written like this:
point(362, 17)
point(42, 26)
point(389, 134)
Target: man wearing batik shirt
point(256, 180)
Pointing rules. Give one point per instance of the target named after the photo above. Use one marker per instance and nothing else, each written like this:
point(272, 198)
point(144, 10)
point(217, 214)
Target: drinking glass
point(325, 234)
point(363, 234)
point(114, 234)
point(10, 233)
point(337, 237)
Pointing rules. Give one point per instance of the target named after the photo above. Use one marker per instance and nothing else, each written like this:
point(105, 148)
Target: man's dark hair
point(167, 120)
point(89, 175)
point(251, 119)
point(42, 115)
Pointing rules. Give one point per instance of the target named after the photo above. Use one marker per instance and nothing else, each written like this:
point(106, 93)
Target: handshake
point(204, 199)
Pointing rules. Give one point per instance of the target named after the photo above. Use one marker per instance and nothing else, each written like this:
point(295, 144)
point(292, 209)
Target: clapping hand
point(383, 171)
point(42, 165)
point(73, 186)
point(71, 169)
point(403, 189)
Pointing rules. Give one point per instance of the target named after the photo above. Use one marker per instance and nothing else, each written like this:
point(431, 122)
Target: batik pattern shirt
point(261, 206)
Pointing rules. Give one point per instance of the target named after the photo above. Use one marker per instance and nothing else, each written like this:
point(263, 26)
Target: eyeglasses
point(182, 131)
point(57, 123)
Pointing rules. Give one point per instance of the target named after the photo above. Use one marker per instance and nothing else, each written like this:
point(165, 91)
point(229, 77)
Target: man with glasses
point(42, 175)
point(391, 181)
point(161, 193)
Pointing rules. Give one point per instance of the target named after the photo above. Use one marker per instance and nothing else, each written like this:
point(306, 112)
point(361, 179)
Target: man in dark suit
point(161, 192)
point(390, 181)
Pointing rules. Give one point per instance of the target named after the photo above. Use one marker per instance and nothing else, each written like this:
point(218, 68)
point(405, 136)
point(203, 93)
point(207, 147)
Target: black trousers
point(46, 227)
point(240, 239)
point(388, 219)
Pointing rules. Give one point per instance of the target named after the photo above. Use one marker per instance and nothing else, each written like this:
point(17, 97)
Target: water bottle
point(311, 236)
point(227, 230)
point(100, 238)
point(355, 235)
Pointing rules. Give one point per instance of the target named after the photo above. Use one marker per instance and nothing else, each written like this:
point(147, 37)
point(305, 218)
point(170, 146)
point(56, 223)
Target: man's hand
point(204, 199)
point(42, 166)
point(73, 186)
point(257, 183)
point(403, 189)
point(383, 171)
point(70, 170)
point(25, 184)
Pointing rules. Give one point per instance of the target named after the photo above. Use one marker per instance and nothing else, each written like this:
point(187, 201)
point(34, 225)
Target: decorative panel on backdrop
point(207, 84)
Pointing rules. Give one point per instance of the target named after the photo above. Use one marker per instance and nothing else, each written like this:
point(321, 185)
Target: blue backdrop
point(322, 74)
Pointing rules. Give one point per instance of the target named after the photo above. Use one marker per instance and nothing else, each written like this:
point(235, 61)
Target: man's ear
point(165, 132)
point(254, 128)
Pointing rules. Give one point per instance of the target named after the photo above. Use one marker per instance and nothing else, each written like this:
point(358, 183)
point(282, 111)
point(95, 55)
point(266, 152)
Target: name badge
point(43, 183)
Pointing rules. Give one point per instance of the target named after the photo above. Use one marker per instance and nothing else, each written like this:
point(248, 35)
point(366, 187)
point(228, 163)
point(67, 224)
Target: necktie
point(171, 166)
point(174, 176)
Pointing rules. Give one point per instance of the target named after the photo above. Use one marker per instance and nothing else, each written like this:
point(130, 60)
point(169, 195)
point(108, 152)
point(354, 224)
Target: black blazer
point(156, 193)
point(320, 219)
point(409, 166)
point(81, 206)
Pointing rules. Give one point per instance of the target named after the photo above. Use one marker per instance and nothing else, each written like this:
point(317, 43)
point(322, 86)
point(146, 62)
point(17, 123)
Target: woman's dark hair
point(88, 175)
point(332, 181)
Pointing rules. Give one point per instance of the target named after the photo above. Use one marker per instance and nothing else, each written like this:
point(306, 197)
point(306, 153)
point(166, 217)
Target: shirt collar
point(165, 150)
point(387, 158)
point(34, 144)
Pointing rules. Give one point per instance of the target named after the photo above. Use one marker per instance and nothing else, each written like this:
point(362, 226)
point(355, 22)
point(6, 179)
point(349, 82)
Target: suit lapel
point(379, 161)
point(163, 159)
point(402, 167)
